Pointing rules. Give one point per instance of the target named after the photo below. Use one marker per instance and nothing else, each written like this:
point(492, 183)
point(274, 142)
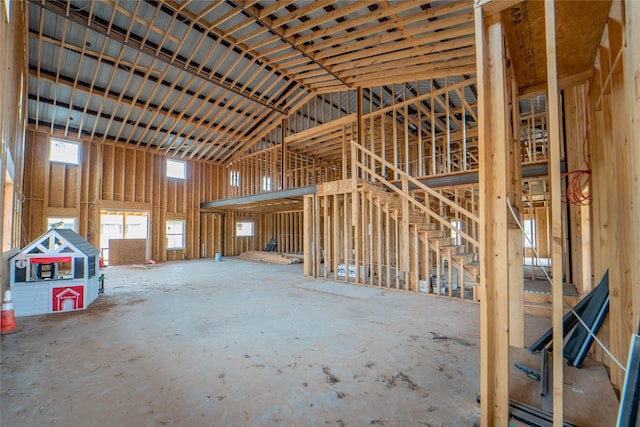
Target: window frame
point(267, 183)
point(456, 223)
point(529, 226)
point(252, 228)
point(63, 219)
point(52, 151)
point(183, 175)
point(182, 234)
point(234, 178)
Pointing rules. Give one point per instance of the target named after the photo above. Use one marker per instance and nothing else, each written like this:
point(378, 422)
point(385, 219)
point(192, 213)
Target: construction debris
point(270, 257)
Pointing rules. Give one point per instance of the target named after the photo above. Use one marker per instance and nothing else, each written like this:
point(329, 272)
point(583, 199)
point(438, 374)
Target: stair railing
point(361, 157)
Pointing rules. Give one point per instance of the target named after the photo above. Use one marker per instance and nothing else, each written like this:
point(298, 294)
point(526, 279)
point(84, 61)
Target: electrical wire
point(604, 348)
point(578, 193)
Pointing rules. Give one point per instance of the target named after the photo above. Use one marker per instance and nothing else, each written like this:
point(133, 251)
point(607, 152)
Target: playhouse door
point(68, 304)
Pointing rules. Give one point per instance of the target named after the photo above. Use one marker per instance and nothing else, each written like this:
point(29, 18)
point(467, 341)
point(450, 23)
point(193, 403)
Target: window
point(244, 229)
point(454, 235)
point(234, 179)
point(64, 152)
point(176, 169)
point(68, 223)
point(529, 238)
point(266, 183)
point(175, 234)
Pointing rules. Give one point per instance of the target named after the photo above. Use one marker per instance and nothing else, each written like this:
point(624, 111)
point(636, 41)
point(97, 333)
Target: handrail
point(405, 177)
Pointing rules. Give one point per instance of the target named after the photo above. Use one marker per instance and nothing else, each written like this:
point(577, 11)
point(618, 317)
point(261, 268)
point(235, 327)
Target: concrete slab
point(230, 343)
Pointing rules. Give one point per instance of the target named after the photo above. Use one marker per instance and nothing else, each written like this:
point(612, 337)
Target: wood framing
point(426, 133)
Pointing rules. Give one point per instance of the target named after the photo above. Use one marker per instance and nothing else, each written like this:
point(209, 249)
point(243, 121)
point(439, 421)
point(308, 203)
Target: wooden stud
point(556, 206)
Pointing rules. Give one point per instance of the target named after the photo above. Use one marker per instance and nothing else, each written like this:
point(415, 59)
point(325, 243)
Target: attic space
point(332, 212)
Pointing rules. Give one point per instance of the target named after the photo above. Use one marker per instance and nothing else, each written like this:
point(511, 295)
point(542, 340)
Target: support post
point(494, 139)
point(553, 103)
point(308, 235)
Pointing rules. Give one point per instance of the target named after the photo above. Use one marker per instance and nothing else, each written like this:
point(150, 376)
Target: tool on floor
point(8, 315)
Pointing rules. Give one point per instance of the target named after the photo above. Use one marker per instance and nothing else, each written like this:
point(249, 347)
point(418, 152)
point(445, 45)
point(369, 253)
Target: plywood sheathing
point(579, 26)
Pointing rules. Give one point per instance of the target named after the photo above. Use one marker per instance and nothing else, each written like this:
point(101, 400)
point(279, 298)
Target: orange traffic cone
point(8, 316)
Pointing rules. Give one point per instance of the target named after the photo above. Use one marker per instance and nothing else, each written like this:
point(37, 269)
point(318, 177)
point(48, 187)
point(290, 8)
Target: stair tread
point(464, 255)
point(428, 226)
point(430, 231)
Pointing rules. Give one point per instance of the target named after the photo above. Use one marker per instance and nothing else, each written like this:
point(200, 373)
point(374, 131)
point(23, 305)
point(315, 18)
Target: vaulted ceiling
point(199, 79)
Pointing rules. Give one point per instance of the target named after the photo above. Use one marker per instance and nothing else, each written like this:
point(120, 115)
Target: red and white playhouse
point(59, 271)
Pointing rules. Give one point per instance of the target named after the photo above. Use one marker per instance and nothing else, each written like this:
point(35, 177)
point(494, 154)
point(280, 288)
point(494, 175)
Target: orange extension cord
point(578, 179)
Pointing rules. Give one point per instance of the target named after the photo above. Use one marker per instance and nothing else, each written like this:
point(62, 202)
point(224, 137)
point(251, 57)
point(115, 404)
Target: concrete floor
point(233, 343)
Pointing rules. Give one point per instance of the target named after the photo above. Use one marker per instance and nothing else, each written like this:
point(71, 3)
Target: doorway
point(122, 225)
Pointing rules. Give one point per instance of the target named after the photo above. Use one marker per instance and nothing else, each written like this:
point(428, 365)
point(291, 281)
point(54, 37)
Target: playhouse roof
point(76, 240)
point(69, 241)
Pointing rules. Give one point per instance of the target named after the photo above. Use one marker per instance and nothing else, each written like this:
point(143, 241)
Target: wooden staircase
point(443, 258)
point(436, 253)
point(440, 264)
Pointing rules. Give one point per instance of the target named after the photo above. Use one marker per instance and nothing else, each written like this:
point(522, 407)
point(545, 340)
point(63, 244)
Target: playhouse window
point(175, 234)
point(92, 266)
point(64, 152)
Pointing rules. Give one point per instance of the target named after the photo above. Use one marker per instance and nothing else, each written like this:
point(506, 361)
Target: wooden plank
point(270, 257)
point(127, 251)
point(553, 103)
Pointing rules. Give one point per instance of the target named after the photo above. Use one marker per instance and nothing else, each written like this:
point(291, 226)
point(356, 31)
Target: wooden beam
point(553, 102)
point(494, 272)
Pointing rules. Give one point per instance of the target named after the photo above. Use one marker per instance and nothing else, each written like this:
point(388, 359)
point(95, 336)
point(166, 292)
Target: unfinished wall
point(285, 227)
point(13, 81)
point(118, 178)
point(612, 150)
